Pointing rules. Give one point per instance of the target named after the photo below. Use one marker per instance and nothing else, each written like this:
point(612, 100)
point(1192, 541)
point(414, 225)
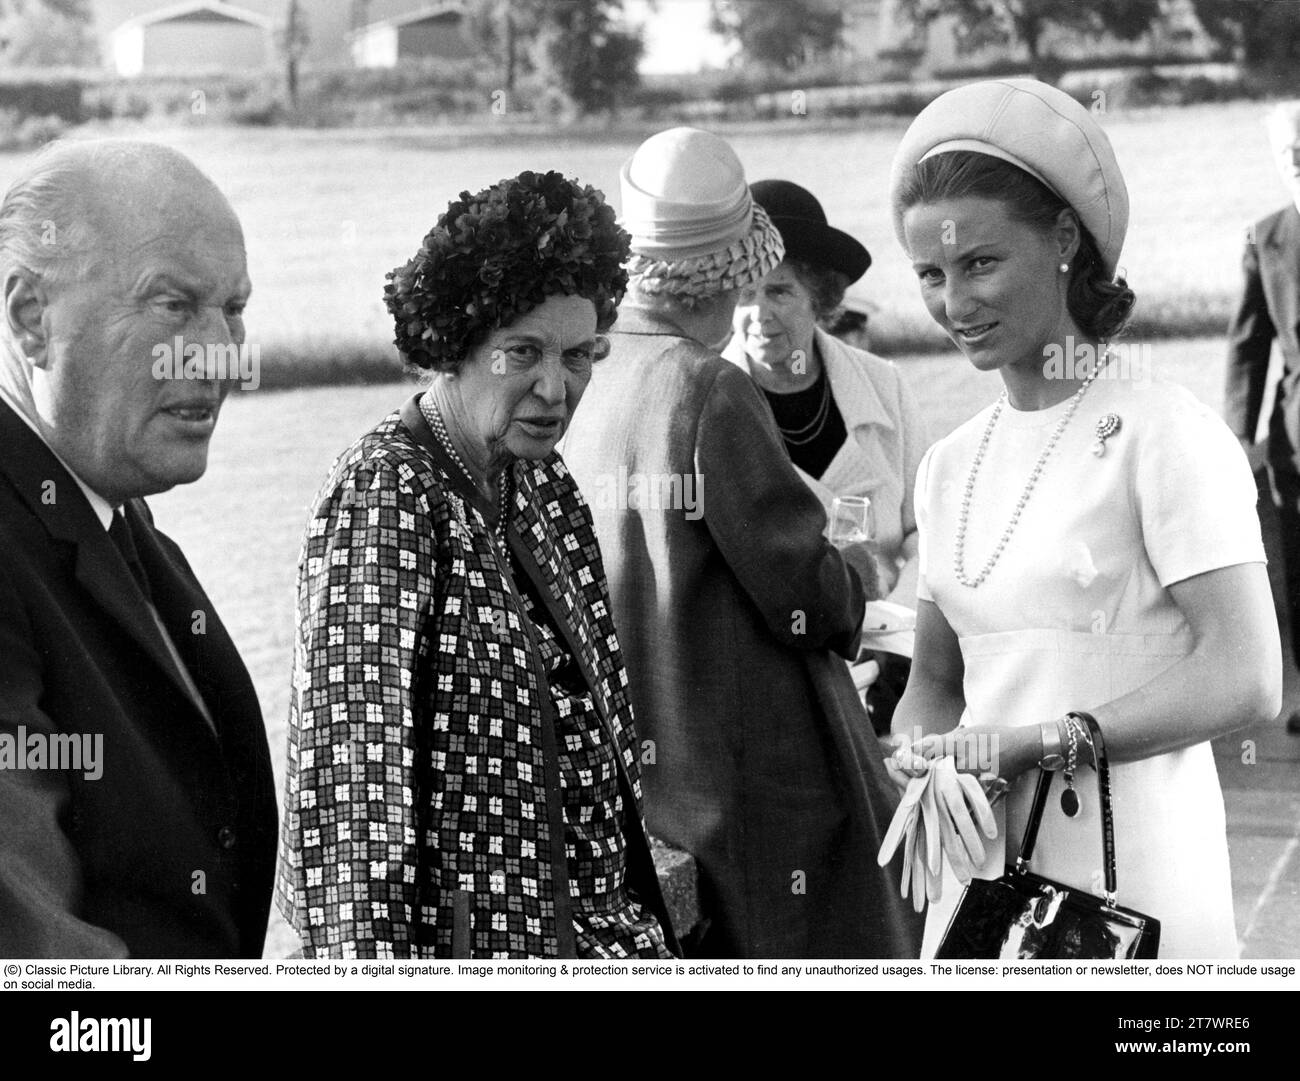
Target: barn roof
point(429, 11)
point(204, 10)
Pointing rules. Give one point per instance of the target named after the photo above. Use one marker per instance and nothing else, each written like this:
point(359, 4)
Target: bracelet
point(1079, 734)
point(1076, 719)
point(1072, 758)
point(1051, 758)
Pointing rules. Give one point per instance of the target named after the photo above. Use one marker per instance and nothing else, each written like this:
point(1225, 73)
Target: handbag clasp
point(1045, 907)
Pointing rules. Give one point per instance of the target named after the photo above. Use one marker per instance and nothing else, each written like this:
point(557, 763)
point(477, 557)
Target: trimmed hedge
point(59, 96)
point(469, 89)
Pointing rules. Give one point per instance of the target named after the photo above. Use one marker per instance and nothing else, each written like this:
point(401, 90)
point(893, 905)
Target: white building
point(190, 36)
point(434, 31)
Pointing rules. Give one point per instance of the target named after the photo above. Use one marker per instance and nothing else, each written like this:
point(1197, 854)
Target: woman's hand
point(985, 750)
point(960, 802)
point(901, 762)
point(954, 812)
point(862, 558)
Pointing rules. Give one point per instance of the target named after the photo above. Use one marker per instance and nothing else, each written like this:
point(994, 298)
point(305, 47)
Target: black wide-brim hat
point(801, 221)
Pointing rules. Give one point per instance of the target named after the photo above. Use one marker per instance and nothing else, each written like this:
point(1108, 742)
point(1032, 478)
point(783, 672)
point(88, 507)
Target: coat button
point(226, 838)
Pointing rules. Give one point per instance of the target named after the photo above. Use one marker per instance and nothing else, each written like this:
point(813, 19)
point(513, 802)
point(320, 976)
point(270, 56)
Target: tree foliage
point(75, 10)
point(580, 45)
point(1265, 33)
point(780, 33)
point(1007, 22)
point(291, 40)
point(591, 55)
point(47, 33)
point(505, 29)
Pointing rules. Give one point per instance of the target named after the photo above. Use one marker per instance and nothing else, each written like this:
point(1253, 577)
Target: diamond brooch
point(1106, 427)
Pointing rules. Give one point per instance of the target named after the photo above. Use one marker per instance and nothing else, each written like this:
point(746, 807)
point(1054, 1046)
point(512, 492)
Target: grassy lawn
point(328, 213)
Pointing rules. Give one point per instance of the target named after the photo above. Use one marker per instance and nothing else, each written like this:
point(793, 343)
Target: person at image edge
point(167, 848)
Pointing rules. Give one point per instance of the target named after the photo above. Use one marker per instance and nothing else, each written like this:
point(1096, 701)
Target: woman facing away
point(1089, 543)
point(735, 612)
point(463, 770)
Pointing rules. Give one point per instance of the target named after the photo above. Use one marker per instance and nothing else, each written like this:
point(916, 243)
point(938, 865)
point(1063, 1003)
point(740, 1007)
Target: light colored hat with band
point(696, 230)
point(1042, 130)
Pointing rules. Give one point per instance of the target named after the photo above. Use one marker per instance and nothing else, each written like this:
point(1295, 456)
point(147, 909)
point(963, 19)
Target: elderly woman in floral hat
point(463, 768)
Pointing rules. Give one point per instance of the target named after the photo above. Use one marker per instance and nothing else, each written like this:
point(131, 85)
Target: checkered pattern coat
point(422, 813)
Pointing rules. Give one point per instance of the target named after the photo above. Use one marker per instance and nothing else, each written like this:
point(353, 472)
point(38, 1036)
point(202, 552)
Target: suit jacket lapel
point(1286, 228)
point(1281, 280)
point(860, 407)
point(102, 573)
point(180, 605)
point(56, 500)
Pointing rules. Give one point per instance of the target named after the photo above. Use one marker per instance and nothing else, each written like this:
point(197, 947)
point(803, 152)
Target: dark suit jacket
point(731, 616)
point(169, 853)
point(1269, 308)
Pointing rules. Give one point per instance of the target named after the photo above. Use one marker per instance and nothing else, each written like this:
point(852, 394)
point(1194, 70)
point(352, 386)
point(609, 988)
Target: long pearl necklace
point(434, 417)
point(959, 555)
point(799, 437)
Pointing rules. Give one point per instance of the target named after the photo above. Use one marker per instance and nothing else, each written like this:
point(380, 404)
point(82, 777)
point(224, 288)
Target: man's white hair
point(47, 221)
point(43, 225)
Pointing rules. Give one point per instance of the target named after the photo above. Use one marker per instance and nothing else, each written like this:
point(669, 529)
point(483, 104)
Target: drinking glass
point(851, 520)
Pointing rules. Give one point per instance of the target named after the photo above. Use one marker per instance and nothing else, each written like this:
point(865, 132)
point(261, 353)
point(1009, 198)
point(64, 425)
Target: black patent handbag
point(1024, 916)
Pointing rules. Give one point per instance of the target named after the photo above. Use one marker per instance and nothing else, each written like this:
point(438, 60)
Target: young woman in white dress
point(1089, 542)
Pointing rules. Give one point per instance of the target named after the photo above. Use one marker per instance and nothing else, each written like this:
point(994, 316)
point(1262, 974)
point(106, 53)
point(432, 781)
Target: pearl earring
point(1065, 268)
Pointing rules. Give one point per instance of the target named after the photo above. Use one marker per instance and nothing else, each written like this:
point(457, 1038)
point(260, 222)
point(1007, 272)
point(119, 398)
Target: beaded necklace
point(799, 437)
point(434, 417)
point(959, 554)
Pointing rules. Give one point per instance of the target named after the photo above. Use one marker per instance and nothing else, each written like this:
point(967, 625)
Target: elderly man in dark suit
point(735, 614)
point(1270, 309)
point(137, 811)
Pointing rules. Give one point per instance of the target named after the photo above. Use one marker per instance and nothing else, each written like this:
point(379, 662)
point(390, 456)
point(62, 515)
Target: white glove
point(936, 816)
point(957, 795)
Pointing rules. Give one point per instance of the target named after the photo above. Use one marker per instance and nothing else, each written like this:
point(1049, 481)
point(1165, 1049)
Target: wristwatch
point(1049, 733)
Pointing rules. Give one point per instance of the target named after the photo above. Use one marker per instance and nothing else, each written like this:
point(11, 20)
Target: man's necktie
point(120, 534)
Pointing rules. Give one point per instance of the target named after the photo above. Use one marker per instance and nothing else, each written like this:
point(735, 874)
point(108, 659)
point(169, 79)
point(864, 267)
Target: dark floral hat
point(498, 254)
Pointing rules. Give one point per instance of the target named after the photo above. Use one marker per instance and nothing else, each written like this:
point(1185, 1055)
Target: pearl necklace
point(799, 437)
point(959, 555)
point(434, 417)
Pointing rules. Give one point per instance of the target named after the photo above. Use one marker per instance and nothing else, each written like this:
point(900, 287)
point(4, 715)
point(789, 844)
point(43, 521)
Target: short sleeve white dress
point(1077, 612)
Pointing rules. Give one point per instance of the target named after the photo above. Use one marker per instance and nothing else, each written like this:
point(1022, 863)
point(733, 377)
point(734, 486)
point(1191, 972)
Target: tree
point(582, 46)
point(504, 28)
point(292, 38)
point(985, 22)
point(1264, 33)
point(47, 33)
point(588, 53)
point(76, 10)
point(781, 33)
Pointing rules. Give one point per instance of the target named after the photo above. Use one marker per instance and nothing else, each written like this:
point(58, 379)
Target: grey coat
point(735, 615)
